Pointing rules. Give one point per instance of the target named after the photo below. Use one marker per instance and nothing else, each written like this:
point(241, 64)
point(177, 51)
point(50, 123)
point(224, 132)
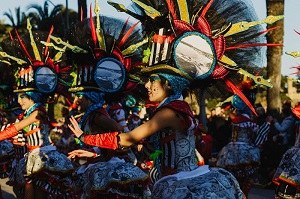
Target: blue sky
point(291, 20)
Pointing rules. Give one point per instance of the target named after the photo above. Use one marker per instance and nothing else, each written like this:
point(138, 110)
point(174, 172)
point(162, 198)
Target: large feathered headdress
point(38, 67)
point(111, 52)
point(202, 40)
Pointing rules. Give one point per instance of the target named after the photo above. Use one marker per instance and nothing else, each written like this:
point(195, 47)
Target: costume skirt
point(47, 169)
point(6, 158)
point(288, 173)
point(201, 183)
point(114, 177)
point(239, 158)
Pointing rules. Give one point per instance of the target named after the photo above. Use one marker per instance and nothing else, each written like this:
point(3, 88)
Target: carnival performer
point(103, 70)
point(185, 50)
point(205, 39)
point(174, 120)
point(240, 156)
point(287, 175)
point(43, 171)
point(94, 118)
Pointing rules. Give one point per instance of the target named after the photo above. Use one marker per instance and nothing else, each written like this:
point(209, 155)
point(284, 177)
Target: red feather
point(205, 9)
point(203, 26)
point(93, 29)
point(81, 14)
point(219, 72)
point(23, 46)
point(171, 9)
point(219, 44)
point(10, 36)
point(238, 92)
point(127, 34)
point(48, 40)
point(182, 26)
point(268, 30)
point(298, 67)
point(252, 45)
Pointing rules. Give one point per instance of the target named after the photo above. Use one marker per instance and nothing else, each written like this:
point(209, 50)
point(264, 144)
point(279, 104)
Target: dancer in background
point(172, 124)
point(102, 71)
point(42, 171)
point(240, 156)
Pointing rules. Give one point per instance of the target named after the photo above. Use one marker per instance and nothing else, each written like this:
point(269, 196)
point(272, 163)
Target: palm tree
point(20, 18)
point(43, 18)
point(275, 7)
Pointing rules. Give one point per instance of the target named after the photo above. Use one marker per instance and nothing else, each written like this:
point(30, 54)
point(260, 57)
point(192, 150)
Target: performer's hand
point(139, 147)
point(75, 127)
point(82, 153)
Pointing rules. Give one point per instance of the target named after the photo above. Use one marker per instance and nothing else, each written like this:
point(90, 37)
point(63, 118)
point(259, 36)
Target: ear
point(168, 87)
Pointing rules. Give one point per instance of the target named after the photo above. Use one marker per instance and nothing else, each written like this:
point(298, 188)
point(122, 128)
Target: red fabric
point(104, 112)
point(116, 106)
point(181, 107)
point(8, 132)
point(240, 119)
point(296, 111)
point(105, 140)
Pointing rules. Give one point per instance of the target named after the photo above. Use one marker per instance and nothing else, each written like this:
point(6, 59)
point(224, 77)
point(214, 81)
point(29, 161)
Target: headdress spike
point(32, 42)
point(99, 32)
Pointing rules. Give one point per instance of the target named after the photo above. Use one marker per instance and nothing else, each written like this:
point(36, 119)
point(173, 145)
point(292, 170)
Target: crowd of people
point(101, 145)
point(275, 135)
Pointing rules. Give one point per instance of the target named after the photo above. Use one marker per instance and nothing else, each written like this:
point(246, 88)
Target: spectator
point(285, 129)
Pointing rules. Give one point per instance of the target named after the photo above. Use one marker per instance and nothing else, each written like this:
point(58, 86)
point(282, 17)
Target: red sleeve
point(104, 140)
point(8, 132)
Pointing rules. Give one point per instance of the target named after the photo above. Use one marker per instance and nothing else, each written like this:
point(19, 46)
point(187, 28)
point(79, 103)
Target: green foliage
point(212, 103)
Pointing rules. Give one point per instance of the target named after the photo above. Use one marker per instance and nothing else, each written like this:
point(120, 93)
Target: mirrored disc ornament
point(109, 75)
point(194, 53)
point(45, 79)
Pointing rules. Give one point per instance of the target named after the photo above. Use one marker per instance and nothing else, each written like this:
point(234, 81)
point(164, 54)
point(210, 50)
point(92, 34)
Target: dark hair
point(166, 85)
point(24, 95)
point(286, 108)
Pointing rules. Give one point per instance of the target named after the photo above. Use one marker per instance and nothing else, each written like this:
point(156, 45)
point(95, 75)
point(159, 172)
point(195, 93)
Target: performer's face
point(25, 101)
point(156, 90)
point(81, 103)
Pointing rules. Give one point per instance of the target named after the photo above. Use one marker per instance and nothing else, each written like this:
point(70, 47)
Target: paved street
point(255, 193)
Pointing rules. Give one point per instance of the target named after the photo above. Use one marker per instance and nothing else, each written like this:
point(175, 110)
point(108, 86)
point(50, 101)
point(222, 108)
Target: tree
point(20, 18)
point(275, 7)
point(43, 18)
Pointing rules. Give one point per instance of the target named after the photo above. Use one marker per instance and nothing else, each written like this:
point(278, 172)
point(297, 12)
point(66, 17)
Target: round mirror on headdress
point(194, 53)
point(45, 79)
point(109, 75)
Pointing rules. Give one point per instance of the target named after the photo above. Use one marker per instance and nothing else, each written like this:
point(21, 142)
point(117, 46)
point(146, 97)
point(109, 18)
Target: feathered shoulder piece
point(205, 40)
point(112, 48)
point(38, 66)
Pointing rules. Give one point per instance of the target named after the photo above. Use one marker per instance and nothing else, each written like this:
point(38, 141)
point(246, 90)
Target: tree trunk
point(275, 7)
point(82, 9)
